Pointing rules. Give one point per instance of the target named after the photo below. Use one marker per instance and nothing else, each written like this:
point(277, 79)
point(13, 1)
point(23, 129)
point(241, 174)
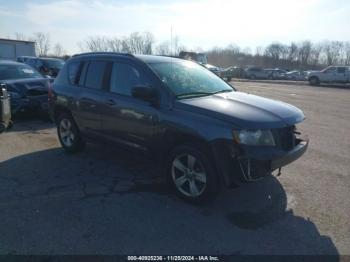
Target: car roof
point(149, 59)
point(145, 58)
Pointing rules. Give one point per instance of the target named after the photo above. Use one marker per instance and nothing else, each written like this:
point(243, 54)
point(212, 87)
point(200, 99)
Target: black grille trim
point(285, 137)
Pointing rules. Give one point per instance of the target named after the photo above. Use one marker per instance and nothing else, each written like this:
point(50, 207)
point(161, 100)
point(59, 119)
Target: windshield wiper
point(223, 91)
point(191, 94)
point(194, 94)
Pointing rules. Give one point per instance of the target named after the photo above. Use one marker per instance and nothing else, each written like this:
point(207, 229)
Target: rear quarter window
point(73, 69)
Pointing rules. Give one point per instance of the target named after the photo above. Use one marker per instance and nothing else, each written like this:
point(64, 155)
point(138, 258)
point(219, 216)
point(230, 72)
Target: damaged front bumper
point(251, 163)
point(256, 163)
point(29, 104)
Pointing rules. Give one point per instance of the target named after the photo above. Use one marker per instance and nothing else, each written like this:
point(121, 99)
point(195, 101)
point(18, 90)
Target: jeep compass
point(199, 130)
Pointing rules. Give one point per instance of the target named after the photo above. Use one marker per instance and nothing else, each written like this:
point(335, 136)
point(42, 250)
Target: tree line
point(296, 55)
point(302, 55)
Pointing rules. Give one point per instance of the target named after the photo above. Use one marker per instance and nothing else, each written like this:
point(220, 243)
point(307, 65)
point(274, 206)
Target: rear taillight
point(50, 93)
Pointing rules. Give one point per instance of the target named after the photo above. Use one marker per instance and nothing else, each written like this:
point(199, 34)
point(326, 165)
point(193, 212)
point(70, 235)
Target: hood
point(23, 86)
point(244, 110)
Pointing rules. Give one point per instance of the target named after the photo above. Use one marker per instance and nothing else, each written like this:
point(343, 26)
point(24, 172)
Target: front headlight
point(254, 137)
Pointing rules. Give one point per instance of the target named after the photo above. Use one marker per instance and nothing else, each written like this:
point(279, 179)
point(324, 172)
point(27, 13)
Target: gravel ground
point(104, 201)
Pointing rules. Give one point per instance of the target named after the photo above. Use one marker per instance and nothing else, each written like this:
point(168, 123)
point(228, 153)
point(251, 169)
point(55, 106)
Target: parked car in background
point(331, 74)
point(276, 73)
point(27, 88)
point(198, 129)
point(46, 66)
point(24, 59)
point(213, 68)
point(200, 58)
point(232, 72)
point(296, 75)
point(256, 73)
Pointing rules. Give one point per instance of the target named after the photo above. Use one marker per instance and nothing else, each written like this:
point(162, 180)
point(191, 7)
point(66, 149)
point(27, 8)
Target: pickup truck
point(334, 74)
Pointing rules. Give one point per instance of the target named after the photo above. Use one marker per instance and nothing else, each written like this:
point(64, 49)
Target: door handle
point(110, 102)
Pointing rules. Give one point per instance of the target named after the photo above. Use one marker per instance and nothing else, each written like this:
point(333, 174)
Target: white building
point(11, 49)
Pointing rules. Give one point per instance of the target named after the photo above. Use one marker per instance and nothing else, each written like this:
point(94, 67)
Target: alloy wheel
point(66, 132)
point(189, 175)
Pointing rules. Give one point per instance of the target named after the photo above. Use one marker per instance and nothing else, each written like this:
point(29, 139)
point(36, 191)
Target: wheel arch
point(58, 110)
point(210, 148)
point(314, 77)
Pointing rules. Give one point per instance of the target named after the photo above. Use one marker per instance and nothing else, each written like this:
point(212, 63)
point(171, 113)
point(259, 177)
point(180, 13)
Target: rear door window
point(341, 70)
point(95, 74)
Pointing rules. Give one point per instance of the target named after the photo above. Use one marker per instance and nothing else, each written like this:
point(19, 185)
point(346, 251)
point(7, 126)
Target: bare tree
point(20, 36)
point(304, 53)
point(139, 43)
point(274, 51)
point(58, 50)
point(347, 53)
point(163, 48)
point(332, 51)
point(292, 52)
point(95, 44)
point(259, 51)
point(136, 43)
point(115, 45)
point(42, 43)
point(315, 53)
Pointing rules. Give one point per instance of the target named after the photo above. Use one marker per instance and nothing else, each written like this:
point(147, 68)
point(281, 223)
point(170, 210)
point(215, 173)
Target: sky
point(197, 23)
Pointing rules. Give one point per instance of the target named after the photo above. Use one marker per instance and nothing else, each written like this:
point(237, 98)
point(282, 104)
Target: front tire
point(191, 172)
point(69, 134)
point(314, 81)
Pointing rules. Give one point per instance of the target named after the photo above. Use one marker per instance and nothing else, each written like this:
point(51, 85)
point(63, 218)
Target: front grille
point(284, 137)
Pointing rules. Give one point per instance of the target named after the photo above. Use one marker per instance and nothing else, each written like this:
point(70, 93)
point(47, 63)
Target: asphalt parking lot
point(104, 201)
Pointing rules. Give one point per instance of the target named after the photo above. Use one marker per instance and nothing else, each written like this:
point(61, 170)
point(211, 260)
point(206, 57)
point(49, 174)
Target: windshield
point(14, 71)
point(188, 79)
point(54, 63)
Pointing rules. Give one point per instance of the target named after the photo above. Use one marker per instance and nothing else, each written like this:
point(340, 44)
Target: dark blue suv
point(198, 129)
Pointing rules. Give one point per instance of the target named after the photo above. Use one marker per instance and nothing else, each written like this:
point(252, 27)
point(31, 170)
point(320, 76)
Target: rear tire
point(192, 174)
point(69, 134)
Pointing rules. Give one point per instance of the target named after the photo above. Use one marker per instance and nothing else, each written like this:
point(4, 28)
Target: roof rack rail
point(103, 53)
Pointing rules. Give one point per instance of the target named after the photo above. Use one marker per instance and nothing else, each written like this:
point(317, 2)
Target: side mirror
point(146, 93)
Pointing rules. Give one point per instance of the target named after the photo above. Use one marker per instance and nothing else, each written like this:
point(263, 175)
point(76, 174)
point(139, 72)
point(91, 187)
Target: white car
point(296, 75)
point(335, 74)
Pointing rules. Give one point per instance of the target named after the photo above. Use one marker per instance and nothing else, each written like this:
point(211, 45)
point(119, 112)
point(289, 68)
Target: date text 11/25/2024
point(173, 258)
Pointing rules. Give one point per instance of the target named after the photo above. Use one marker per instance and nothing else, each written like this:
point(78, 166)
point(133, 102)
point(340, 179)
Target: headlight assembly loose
point(254, 137)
